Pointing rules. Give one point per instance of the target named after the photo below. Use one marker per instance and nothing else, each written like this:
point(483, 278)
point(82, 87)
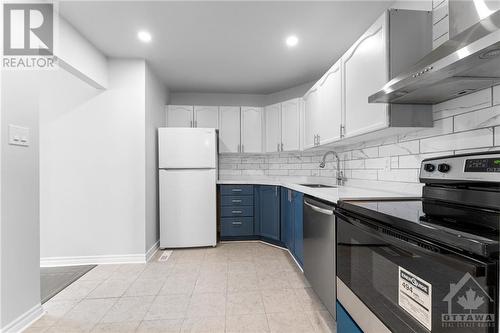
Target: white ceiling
point(227, 47)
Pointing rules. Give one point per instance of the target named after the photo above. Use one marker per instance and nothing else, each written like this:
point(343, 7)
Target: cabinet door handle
point(237, 223)
point(236, 190)
point(236, 212)
point(282, 146)
point(277, 147)
point(236, 201)
point(190, 123)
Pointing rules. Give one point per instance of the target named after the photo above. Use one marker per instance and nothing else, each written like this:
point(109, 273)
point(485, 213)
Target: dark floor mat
point(55, 279)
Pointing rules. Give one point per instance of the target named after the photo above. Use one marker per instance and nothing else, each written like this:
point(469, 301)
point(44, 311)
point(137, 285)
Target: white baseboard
point(93, 260)
point(25, 320)
point(152, 250)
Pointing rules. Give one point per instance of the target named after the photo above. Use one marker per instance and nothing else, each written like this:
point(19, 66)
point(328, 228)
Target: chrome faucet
point(340, 174)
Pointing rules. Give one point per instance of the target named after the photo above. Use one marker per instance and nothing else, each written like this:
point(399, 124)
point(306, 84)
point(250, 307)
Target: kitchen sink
point(317, 185)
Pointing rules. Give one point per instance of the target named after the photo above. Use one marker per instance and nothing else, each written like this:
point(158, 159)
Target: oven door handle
point(318, 209)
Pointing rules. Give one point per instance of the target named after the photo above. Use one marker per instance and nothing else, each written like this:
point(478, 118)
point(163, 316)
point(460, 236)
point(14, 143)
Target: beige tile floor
point(235, 287)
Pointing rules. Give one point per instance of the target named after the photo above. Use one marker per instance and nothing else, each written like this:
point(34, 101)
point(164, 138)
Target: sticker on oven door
point(415, 296)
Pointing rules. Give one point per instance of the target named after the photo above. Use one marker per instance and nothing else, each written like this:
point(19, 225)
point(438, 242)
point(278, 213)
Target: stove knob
point(429, 167)
point(444, 167)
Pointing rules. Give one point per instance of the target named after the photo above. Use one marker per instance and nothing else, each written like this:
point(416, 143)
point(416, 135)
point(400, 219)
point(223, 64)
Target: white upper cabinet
point(330, 105)
point(290, 125)
point(180, 116)
point(251, 129)
point(229, 130)
point(272, 115)
point(365, 67)
point(206, 116)
point(312, 114)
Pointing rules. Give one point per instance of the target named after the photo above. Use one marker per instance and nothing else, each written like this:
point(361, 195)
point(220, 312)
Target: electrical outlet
point(19, 136)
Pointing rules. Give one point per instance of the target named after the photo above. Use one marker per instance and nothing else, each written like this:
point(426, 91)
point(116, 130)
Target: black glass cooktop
point(465, 228)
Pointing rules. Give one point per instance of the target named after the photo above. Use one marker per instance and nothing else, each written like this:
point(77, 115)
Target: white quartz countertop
point(331, 194)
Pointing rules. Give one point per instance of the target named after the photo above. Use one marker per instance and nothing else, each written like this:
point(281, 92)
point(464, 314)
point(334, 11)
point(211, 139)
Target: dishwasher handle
point(319, 209)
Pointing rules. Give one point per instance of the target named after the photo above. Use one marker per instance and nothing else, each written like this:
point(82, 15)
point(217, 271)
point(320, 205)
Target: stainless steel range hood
point(468, 62)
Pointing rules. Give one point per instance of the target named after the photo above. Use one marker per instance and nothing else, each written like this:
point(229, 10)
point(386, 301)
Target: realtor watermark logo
point(468, 305)
point(28, 36)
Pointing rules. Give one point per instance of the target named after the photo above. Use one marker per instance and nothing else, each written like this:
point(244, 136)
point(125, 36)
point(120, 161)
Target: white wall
point(93, 157)
point(156, 99)
point(19, 243)
point(221, 99)
point(78, 56)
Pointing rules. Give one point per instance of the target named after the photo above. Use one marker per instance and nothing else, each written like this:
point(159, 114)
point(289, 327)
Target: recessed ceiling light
point(144, 36)
point(291, 41)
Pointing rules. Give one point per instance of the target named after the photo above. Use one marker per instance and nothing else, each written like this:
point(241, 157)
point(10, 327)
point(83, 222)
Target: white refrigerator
point(188, 176)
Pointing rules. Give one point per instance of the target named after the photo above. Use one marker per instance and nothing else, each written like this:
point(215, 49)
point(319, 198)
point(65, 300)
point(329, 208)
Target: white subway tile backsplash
point(401, 148)
point(441, 127)
point(378, 163)
point(464, 140)
point(464, 125)
point(399, 175)
point(474, 101)
point(364, 174)
point(277, 172)
point(364, 153)
point(394, 162)
point(355, 164)
point(477, 119)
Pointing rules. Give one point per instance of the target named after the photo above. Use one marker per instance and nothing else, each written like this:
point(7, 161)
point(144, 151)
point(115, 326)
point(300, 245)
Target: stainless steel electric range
point(428, 264)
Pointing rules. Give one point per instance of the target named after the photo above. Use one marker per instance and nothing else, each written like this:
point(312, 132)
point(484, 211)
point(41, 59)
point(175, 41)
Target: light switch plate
point(19, 136)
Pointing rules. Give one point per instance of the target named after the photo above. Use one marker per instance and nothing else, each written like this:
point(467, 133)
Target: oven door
point(413, 285)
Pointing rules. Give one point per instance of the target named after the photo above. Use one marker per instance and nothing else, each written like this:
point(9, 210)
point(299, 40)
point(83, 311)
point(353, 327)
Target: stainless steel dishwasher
point(319, 250)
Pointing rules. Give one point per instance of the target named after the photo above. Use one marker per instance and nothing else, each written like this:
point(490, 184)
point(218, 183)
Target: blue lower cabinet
point(298, 226)
point(287, 218)
point(236, 227)
point(269, 211)
point(345, 324)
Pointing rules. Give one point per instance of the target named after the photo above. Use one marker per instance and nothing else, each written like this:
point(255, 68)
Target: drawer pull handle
point(236, 201)
point(236, 190)
point(236, 212)
point(237, 223)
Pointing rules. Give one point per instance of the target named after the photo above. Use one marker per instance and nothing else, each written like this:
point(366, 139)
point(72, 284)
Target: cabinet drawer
point(236, 189)
point(237, 226)
point(234, 200)
point(234, 211)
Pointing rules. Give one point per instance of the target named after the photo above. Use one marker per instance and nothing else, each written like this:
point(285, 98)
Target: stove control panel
point(482, 165)
point(471, 167)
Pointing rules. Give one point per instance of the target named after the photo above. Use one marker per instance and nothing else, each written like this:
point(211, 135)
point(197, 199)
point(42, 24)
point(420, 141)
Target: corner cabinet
point(272, 116)
point(312, 117)
point(269, 211)
point(229, 129)
point(251, 129)
point(292, 232)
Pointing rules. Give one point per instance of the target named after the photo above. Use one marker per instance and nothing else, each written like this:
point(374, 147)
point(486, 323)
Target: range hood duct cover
point(468, 62)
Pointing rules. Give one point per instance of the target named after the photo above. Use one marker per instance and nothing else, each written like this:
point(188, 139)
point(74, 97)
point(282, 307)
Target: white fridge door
point(187, 148)
point(188, 208)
